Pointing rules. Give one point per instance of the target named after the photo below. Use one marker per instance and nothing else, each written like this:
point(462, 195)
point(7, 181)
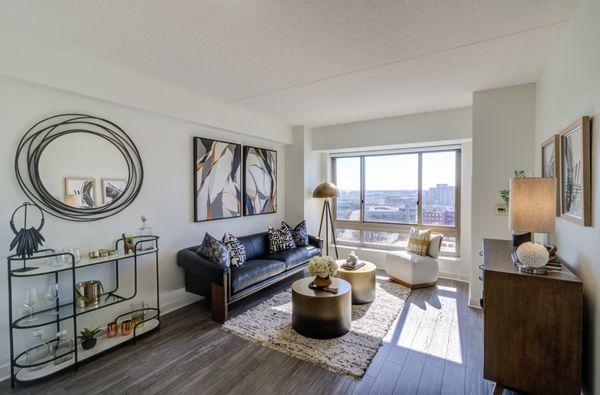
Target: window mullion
point(420, 191)
point(362, 189)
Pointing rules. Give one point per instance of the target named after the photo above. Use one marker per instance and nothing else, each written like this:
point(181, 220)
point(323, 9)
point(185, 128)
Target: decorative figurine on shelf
point(146, 231)
point(27, 241)
point(352, 262)
point(552, 250)
point(128, 246)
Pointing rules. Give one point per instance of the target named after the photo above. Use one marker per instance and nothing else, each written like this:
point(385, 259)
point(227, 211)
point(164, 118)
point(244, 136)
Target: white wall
point(503, 129)
point(165, 144)
point(568, 88)
point(48, 64)
point(431, 127)
point(434, 128)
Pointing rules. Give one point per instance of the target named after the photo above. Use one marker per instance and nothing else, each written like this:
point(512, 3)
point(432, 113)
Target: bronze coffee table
point(362, 281)
point(321, 314)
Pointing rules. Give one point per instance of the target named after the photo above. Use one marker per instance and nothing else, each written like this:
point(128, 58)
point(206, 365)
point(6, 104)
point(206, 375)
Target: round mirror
point(79, 167)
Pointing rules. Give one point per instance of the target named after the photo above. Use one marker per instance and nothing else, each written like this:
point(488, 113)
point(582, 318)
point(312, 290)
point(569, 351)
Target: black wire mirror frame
point(39, 136)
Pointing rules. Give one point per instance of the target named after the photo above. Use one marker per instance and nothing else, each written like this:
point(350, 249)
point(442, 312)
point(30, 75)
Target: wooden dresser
point(532, 325)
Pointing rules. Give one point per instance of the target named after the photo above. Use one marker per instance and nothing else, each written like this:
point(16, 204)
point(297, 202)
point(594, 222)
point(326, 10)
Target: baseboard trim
point(474, 303)
point(5, 371)
point(455, 276)
point(177, 299)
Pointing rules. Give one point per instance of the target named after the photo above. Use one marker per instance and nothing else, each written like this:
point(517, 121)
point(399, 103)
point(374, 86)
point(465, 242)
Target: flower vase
point(322, 282)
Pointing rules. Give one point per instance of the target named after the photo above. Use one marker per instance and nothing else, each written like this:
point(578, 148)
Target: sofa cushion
point(213, 250)
point(296, 256)
point(256, 245)
point(254, 271)
point(280, 239)
point(237, 251)
point(299, 233)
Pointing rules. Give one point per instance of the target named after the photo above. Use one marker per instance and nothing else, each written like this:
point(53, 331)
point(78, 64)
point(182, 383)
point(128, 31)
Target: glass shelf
point(45, 317)
point(104, 343)
point(42, 265)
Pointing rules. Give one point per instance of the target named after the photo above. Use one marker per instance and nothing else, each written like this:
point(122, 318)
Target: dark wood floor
point(435, 346)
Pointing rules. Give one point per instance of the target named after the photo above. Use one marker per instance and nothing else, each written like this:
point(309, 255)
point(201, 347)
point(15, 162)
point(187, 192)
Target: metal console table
point(20, 371)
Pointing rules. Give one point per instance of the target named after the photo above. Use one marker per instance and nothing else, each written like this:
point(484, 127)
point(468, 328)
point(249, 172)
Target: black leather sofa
point(225, 285)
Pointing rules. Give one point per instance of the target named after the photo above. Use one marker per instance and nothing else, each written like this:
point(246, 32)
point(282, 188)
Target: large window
point(383, 195)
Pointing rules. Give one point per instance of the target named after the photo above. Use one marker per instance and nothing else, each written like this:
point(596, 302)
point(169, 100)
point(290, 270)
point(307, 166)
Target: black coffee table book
point(20, 371)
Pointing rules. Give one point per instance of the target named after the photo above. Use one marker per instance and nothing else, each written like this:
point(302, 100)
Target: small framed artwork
point(551, 164)
point(260, 181)
point(112, 188)
point(217, 179)
point(83, 189)
point(575, 168)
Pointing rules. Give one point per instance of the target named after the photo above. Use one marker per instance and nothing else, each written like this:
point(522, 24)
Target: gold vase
point(322, 282)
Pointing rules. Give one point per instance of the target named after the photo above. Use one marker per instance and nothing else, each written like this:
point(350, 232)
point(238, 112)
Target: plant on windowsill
point(88, 338)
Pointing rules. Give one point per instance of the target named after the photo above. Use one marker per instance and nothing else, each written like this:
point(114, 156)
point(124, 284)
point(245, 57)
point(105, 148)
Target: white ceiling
point(310, 62)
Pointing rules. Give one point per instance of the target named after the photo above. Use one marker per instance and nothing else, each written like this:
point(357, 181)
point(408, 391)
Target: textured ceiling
point(314, 61)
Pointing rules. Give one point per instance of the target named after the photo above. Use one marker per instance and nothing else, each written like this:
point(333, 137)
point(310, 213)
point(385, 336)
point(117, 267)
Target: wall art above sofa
point(260, 181)
point(217, 179)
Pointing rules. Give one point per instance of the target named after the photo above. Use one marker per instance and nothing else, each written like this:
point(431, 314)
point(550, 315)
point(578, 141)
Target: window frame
point(364, 226)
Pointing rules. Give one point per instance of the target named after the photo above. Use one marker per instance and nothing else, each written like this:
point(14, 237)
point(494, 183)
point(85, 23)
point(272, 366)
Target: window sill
point(385, 249)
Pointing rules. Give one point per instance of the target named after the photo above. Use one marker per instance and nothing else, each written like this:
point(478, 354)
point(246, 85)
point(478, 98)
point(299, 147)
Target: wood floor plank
point(434, 347)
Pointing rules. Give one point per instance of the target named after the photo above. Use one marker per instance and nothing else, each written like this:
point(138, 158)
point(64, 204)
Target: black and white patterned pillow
point(214, 250)
point(299, 233)
point(237, 251)
point(280, 239)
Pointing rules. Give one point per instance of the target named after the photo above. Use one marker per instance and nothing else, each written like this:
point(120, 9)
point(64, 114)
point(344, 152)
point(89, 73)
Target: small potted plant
point(128, 243)
point(88, 337)
point(322, 267)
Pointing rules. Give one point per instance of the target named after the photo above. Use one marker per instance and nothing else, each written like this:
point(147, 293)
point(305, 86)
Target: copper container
point(112, 329)
point(126, 327)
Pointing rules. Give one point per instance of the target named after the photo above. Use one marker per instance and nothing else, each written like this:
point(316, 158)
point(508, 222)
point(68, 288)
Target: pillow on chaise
point(237, 251)
point(418, 241)
point(212, 249)
point(299, 233)
point(280, 239)
point(435, 244)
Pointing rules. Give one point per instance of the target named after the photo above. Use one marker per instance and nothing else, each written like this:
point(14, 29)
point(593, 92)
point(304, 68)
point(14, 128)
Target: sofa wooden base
point(412, 286)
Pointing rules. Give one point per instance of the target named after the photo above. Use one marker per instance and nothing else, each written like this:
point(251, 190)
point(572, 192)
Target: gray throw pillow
point(299, 233)
point(212, 249)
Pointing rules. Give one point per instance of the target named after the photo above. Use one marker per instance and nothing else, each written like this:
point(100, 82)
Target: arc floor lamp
point(326, 191)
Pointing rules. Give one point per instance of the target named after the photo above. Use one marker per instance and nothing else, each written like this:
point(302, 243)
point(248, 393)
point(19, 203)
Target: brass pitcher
point(88, 293)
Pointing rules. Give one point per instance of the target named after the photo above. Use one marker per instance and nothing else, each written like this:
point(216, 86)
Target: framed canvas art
point(575, 185)
point(217, 179)
point(112, 188)
point(260, 181)
point(551, 164)
point(83, 189)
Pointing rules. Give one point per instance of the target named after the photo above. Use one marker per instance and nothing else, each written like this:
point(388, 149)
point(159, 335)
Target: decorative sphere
point(533, 254)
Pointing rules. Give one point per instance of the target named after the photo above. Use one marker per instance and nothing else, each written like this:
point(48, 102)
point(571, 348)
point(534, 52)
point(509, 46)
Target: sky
point(397, 172)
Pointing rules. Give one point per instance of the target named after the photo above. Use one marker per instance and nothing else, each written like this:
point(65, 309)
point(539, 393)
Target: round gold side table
point(362, 281)
point(321, 314)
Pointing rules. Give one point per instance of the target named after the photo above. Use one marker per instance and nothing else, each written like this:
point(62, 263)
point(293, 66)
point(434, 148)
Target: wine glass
point(52, 295)
point(29, 302)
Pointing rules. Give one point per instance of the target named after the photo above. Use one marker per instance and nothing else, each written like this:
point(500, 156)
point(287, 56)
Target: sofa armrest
point(315, 241)
point(200, 266)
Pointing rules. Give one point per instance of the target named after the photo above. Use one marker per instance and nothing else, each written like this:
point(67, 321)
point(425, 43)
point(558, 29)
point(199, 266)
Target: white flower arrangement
point(322, 266)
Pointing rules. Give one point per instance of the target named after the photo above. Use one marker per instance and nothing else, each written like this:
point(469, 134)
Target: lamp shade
point(326, 190)
point(532, 204)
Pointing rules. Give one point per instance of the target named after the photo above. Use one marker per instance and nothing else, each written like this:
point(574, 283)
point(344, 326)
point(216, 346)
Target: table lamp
point(327, 190)
point(532, 207)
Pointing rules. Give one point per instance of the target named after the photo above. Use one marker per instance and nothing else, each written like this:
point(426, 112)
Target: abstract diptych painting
point(217, 179)
point(82, 189)
point(260, 181)
point(112, 189)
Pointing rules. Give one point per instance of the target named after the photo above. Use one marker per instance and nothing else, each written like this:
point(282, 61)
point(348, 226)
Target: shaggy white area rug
point(270, 323)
